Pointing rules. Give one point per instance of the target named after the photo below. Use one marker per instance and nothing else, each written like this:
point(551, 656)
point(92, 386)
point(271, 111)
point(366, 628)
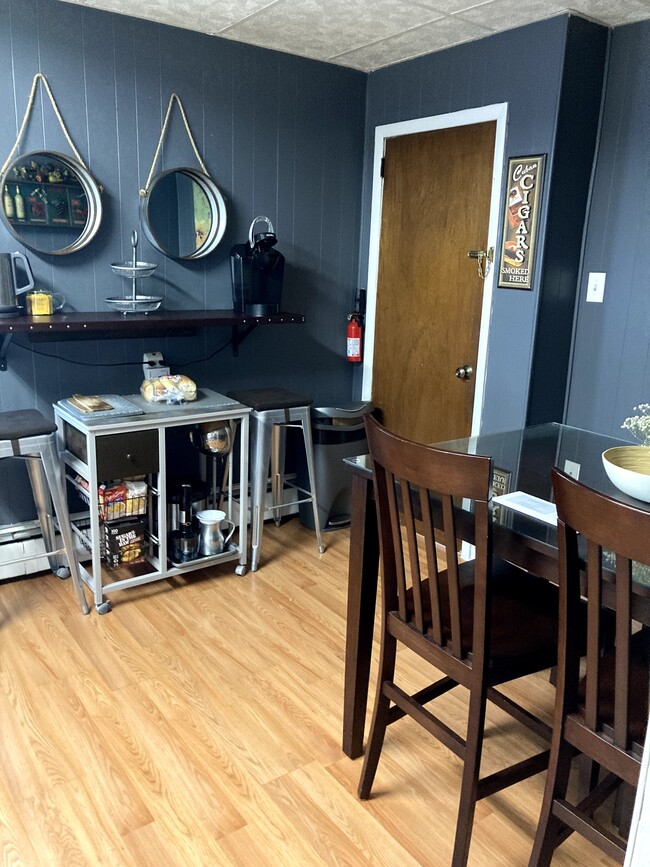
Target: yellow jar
point(42, 303)
point(39, 303)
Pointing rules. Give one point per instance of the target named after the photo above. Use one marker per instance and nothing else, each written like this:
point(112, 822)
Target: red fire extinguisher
point(354, 337)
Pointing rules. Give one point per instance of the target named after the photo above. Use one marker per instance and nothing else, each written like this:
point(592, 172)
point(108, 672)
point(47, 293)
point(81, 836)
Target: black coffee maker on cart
point(257, 272)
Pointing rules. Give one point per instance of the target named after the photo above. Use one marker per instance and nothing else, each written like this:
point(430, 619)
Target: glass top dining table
point(522, 461)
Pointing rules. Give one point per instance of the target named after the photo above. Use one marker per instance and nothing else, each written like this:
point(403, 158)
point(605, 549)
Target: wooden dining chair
point(602, 711)
point(479, 623)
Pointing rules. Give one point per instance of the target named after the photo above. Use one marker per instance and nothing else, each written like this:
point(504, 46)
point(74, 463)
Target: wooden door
point(436, 203)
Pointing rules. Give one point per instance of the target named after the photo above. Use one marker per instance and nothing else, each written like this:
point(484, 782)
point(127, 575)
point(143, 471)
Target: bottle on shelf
point(20, 205)
point(8, 203)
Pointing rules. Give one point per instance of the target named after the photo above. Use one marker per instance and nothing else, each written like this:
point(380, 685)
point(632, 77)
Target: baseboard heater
point(25, 540)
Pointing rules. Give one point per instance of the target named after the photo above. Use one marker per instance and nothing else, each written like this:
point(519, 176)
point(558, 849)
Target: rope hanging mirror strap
point(30, 102)
point(172, 98)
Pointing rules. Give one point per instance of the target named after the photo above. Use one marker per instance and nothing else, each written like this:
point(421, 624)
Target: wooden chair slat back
point(408, 478)
point(616, 534)
point(432, 560)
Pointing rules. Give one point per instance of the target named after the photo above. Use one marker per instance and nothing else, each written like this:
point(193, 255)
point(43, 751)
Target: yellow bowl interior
point(634, 458)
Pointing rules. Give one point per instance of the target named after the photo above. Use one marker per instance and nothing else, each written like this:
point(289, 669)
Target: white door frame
point(497, 112)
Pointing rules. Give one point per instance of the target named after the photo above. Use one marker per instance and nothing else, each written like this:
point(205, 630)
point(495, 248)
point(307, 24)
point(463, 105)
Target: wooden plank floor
point(199, 723)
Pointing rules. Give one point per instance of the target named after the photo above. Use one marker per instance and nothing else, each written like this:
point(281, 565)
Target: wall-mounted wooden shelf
point(110, 325)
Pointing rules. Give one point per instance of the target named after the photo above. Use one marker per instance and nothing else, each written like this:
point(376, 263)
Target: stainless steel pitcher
point(9, 288)
point(212, 539)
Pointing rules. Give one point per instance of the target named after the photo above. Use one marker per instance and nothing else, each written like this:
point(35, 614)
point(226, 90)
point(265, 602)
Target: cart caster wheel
point(103, 607)
point(62, 572)
point(241, 570)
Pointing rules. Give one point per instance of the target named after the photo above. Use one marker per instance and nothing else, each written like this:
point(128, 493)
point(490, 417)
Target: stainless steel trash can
point(338, 432)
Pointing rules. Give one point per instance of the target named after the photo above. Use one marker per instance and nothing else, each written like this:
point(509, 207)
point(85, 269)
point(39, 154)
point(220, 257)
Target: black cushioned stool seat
point(27, 434)
point(261, 399)
point(20, 423)
point(273, 410)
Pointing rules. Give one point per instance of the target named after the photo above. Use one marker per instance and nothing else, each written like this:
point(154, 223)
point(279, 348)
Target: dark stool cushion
point(21, 423)
point(269, 398)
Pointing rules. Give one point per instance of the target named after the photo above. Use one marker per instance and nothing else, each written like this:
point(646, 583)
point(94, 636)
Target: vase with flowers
point(628, 467)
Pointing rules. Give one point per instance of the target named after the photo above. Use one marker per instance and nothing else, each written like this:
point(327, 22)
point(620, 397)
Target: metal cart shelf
point(105, 448)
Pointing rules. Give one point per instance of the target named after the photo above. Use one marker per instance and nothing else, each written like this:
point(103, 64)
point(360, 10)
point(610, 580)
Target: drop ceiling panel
point(435, 36)
point(321, 30)
point(364, 34)
point(500, 15)
point(206, 16)
point(611, 12)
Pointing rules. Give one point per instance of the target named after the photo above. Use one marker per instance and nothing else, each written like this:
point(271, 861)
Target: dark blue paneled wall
point(611, 363)
point(571, 172)
point(281, 135)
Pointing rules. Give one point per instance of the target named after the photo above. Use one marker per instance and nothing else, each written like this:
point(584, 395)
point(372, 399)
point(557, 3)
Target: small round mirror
point(50, 202)
point(184, 214)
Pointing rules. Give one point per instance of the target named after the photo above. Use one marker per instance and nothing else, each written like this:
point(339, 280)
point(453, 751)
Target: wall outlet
point(596, 286)
point(153, 365)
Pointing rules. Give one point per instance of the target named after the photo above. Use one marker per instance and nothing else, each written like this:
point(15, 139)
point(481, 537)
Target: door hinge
point(382, 167)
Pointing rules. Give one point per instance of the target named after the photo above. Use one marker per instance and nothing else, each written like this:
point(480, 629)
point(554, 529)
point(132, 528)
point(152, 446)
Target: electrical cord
point(206, 358)
point(122, 363)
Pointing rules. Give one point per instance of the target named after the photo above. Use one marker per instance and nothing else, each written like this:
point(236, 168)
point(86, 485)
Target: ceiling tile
point(448, 7)
point(422, 40)
point(608, 12)
point(203, 15)
point(364, 34)
point(499, 15)
point(320, 30)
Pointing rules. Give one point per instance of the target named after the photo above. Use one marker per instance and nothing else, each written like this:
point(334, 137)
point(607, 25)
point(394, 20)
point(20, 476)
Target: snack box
point(123, 542)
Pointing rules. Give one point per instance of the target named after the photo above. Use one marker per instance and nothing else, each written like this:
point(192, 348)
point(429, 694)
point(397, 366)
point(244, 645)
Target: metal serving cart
point(98, 448)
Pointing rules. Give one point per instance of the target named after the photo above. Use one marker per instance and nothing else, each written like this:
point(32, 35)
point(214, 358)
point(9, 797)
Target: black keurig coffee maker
point(257, 272)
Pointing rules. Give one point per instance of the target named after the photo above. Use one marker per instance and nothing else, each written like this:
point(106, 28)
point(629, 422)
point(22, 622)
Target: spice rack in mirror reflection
point(45, 204)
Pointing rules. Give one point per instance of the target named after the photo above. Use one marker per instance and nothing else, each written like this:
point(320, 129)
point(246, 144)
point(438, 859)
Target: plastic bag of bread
point(169, 389)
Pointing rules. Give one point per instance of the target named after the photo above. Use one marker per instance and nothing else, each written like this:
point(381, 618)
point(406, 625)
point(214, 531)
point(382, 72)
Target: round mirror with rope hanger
point(49, 201)
point(183, 211)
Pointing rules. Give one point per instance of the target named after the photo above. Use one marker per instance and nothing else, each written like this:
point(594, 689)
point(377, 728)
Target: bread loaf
point(169, 389)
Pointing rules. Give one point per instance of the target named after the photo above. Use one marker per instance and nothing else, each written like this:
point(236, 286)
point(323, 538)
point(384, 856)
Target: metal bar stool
point(274, 410)
point(27, 434)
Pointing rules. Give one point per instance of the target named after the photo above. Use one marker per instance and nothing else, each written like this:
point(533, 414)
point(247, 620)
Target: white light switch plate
point(596, 286)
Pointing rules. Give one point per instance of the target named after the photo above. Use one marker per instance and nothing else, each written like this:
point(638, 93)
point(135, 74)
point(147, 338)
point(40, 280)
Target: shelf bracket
point(3, 350)
point(239, 335)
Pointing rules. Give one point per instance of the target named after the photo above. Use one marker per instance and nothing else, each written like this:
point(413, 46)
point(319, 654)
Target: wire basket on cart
point(122, 536)
point(124, 499)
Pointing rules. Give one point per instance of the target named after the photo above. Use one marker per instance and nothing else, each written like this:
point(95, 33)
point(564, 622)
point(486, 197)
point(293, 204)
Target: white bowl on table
point(628, 468)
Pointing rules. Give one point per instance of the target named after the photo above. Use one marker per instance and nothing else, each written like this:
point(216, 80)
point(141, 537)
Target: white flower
point(639, 425)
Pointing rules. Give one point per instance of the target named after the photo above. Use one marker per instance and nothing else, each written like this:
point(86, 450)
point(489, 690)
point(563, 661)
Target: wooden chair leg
point(471, 770)
point(549, 826)
point(379, 717)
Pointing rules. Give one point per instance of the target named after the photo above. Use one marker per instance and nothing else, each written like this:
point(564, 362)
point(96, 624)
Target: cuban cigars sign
point(516, 261)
